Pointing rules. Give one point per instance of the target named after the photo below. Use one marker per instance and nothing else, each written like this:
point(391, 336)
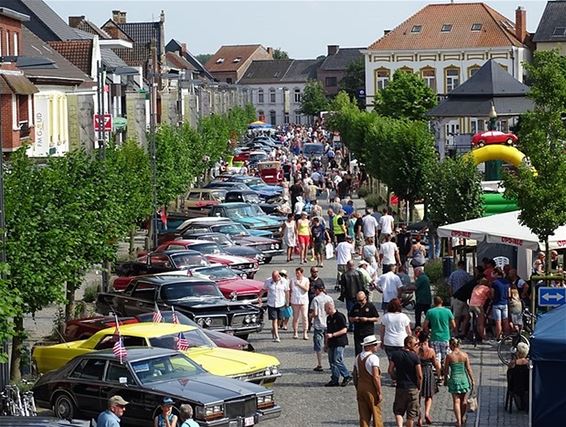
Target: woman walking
point(395, 326)
point(300, 302)
point(289, 233)
point(459, 378)
point(304, 233)
point(417, 253)
point(429, 386)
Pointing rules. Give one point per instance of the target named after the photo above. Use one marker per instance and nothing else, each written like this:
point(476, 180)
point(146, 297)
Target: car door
point(86, 382)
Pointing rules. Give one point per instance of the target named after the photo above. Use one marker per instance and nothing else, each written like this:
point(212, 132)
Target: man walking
point(344, 252)
point(363, 316)
point(339, 226)
point(319, 238)
point(423, 296)
point(369, 225)
point(277, 299)
point(457, 280)
point(111, 416)
point(406, 367)
point(318, 319)
point(351, 282)
point(336, 339)
point(368, 383)
point(390, 285)
point(439, 321)
point(386, 223)
point(388, 254)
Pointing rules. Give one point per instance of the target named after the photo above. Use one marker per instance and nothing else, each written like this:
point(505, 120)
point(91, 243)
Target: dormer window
point(446, 28)
point(559, 31)
point(220, 60)
point(236, 60)
point(416, 28)
point(476, 27)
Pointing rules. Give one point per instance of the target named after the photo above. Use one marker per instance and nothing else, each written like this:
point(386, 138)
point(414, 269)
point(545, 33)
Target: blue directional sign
point(550, 297)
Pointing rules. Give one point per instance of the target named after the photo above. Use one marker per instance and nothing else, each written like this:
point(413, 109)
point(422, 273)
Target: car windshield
point(252, 198)
point(165, 368)
point(231, 229)
point(215, 273)
point(252, 180)
point(243, 211)
point(221, 239)
point(207, 248)
point(195, 338)
point(188, 260)
point(187, 290)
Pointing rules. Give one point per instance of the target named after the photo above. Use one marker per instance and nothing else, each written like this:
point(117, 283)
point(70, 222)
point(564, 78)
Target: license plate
point(249, 421)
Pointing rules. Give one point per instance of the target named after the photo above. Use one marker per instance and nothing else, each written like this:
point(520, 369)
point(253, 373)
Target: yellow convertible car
point(255, 367)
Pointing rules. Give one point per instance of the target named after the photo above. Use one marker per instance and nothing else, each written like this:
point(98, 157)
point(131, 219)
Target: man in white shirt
point(344, 252)
point(277, 290)
point(367, 377)
point(318, 316)
point(388, 254)
point(369, 224)
point(390, 285)
point(386, 223)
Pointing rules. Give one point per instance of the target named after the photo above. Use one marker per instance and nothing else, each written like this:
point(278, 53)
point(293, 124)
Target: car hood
point(227, 362)
point(228, 259)
point(205, 388)
point(210, 302)
point(254, 240)
point(265, 188)
point(225, 340)
point(240, 286)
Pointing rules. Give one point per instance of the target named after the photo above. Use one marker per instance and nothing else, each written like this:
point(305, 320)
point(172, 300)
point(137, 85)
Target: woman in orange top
point(304, 233)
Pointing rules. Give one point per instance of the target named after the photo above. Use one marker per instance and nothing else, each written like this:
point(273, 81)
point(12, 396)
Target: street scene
point(248, 232)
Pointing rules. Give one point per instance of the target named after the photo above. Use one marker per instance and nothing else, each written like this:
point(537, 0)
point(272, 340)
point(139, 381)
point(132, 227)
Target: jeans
point(419, 310)
point(336, 361)
point(349, 304)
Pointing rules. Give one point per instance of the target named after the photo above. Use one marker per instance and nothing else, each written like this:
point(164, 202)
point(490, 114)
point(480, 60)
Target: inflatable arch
point(497, 152)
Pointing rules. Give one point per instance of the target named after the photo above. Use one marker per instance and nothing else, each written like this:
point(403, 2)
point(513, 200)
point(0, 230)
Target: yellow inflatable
point(497, 152)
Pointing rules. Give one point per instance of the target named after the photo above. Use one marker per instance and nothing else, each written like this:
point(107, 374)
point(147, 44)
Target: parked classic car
point(230, 284)
point(257, 184)
point(145, 377)
point(250, 197)
point(229, 246)
point(254, 367)
point(249, 215)
point(199, 299)
point(313, 150)
point(157, 262)
point(214, 253)
point(493, 137)
point(80, 329)
point(198, 200)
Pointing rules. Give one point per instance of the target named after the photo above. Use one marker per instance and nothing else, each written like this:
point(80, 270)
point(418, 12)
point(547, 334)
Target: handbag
point(329, 250)
point(472, 402)
point(287, 312)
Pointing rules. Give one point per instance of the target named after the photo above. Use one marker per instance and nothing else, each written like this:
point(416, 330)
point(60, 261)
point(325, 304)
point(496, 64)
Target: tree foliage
point(354, 80)
point(280, 54)
point(203, 57)
point(314, 99)
point(541, 195)
point(406, 96)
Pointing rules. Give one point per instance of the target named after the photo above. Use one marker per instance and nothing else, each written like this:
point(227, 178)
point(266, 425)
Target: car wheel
point(64, 407)
point(509, 141)
point(481, 143)
point(267, 260)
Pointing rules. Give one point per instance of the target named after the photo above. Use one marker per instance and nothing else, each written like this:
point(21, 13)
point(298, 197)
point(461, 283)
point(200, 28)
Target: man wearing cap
point(318, 319)
point(363, 315)
point(367, 377)
point(111, 417)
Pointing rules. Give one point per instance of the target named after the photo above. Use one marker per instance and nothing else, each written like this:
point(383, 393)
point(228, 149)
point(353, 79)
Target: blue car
point(264, 190)
point(250, 216)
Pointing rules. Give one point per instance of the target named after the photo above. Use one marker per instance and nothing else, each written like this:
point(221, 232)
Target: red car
point(493, 137)
point(230, 284)
point(83, 328)
point(214, 254)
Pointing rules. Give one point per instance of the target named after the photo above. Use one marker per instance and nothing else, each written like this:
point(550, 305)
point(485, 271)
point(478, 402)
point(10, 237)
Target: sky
point(301, 28)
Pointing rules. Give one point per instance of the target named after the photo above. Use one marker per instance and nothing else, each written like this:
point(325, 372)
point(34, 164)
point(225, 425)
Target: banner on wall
point(41, 146)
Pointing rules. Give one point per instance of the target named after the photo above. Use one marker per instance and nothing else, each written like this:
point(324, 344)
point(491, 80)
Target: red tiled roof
point(229, 53)
point(496, 29)
point(78, 52)
point(178, 62)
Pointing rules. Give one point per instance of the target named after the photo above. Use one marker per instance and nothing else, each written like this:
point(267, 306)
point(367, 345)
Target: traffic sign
point(550, 297)
point(107, 120)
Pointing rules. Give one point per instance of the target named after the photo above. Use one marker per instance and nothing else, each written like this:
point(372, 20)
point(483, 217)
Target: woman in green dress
point(459, 379)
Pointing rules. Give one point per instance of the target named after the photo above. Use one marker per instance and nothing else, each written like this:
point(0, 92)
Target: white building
point(277, 87)
point(446, 44)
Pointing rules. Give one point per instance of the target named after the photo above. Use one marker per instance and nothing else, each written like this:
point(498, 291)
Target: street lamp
point(492, 118)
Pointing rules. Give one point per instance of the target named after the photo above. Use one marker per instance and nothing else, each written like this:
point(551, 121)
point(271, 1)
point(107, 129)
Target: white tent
point(504, 229)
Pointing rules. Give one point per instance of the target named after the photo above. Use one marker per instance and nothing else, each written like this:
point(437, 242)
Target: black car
point(229, 246)
point(146, 376)
point(161, 262)
point(199, 299)
point(250, 197)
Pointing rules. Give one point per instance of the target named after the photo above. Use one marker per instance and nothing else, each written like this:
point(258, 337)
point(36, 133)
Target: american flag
point(119, 350)
point(182, 342)
point(174, 317)
point(157, 317)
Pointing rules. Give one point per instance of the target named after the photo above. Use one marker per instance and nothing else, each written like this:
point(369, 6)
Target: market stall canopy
point(259, 124)
point(504, 229)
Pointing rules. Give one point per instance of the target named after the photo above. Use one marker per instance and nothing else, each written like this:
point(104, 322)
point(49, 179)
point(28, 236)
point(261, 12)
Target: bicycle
point(17, 404)
point(507, 347)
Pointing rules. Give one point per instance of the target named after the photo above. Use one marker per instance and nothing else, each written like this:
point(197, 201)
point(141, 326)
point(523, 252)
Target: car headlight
point(209, 412)
point(272, 246)
point(254, 319)
point(274, 370)
point(247, 319)
point(208, 321)
point(276, 245)
point(200, 322)
point(266, 401)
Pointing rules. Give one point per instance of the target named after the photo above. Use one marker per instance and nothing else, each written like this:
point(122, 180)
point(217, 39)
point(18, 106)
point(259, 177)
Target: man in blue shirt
point(456, 281)
point(111, 417)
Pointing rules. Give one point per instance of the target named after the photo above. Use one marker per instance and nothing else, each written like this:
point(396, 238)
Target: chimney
point(385, 32)
point(74, 21)
point(183, 49)
point(521, 24)
point(122, 17)
point(119, 17)
point(162, 17)
point(270, 52)
point(332, 49)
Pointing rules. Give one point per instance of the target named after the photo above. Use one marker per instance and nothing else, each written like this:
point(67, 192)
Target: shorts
point(406, 402)
point(319, 248)
point(459, 308)
point(500, 312)
point(389, 350)
point(318, 339)
point(275, 313)
point(441, 349)
point(304, 241)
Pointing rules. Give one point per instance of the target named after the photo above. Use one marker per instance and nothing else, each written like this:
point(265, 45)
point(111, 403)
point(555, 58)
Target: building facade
point(334, 66)
point(551, 30)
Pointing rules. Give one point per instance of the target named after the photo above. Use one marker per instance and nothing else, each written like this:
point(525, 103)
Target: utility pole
point(100, 73)
point(152, 148)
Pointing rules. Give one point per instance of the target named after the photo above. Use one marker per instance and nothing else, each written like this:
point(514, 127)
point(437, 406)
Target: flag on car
point(119, 350)
point(174, 317)
point(182, 342)
point(157, 317)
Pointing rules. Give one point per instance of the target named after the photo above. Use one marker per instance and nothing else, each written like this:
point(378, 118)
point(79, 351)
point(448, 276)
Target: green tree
point(354, 80)
point(203, 57)
point(314, 99)
point(406, 96)
point(280, 54)
point(454, 192)
point(540, 187)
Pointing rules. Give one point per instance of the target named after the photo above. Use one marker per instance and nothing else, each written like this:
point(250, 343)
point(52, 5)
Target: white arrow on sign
point(548, 297)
